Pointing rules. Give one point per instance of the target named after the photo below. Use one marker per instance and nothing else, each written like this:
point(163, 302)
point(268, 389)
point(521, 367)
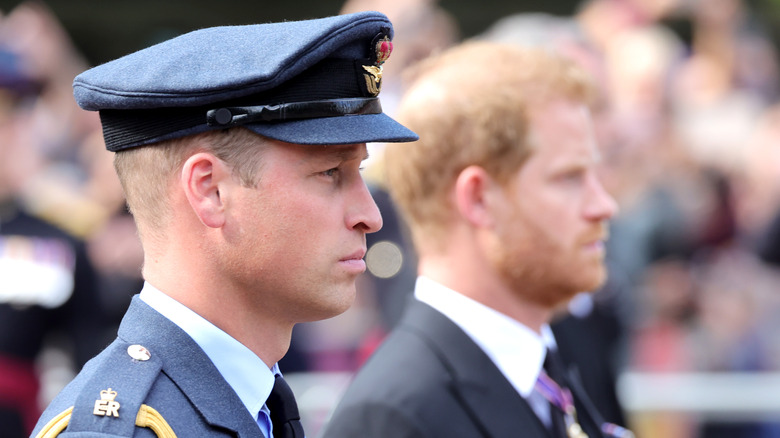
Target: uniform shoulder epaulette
point(110, 402)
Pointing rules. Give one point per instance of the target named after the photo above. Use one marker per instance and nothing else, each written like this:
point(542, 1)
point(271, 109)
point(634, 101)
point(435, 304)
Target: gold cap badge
point(383, 47)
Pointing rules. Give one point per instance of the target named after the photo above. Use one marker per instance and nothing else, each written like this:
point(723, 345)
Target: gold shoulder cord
point(56, 425)
point(147, 417)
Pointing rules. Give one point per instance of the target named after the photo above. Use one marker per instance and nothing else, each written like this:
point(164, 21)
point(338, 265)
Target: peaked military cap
point(305, 82)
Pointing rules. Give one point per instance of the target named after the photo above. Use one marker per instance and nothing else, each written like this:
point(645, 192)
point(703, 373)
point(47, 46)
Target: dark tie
point(284, 411)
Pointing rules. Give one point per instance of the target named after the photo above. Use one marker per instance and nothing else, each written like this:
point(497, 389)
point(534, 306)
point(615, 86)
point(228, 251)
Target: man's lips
point(596, 242)
point(597, 245)
point(354, 262)
point(357, 255)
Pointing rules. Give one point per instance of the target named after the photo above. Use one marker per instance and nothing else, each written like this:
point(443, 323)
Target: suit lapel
point(189, 367)
point(588, 415)
point(491, 401)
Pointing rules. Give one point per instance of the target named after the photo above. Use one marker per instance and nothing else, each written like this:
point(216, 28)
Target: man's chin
point(559, 297)
point(334, 307)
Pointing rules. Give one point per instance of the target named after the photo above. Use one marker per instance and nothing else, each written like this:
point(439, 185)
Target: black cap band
point(233, 116)
point(332, 88)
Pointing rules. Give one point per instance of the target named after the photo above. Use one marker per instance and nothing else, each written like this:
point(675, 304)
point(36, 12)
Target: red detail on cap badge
point(383, 49)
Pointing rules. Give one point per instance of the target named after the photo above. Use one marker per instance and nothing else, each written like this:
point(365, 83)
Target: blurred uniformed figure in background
point(509, 219)
point(47, 283)
point(239, 149)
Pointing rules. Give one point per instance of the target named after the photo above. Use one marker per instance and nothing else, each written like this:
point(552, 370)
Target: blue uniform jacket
point(175, 387)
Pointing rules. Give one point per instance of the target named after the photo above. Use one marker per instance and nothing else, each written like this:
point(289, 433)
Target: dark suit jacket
point(429, 379)
point(179, 381)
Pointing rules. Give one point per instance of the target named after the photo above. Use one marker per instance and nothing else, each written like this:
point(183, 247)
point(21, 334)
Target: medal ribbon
point(562, 399)
point(559, 397)
point(616, 431)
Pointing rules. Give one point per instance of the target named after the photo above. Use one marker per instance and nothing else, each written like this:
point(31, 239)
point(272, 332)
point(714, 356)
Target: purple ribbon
point(559, 397)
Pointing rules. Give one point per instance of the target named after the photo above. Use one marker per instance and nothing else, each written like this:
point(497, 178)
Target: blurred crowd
point(69, 254)
point(689, 128)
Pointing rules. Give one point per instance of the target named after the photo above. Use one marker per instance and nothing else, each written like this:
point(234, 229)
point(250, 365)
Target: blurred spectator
point(604, 21)
point(56, 127)
point(758, 188)
point(48, 284)
point(68, 253)
point(726, 82)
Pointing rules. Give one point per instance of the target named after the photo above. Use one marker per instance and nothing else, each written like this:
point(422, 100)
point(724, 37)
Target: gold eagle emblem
point(373, 78)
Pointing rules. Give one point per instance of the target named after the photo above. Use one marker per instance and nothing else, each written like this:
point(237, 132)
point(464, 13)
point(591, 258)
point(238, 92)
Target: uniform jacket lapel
point(189, 367)
point(494, 405)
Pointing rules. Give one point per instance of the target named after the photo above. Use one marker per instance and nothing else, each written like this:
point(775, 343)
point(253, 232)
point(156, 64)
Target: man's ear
point(202, 175)
point(472, 194)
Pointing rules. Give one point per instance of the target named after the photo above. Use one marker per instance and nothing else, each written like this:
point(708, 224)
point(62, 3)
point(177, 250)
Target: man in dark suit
point(509, 220)
point(239, 149)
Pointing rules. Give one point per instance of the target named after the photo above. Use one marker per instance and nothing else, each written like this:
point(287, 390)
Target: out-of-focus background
point(688, 326)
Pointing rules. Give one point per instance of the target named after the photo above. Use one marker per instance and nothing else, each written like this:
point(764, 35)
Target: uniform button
point(139, 352)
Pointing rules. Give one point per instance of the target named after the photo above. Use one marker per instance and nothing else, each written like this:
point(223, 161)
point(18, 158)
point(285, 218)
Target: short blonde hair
point(470, 106)
point(146, 172)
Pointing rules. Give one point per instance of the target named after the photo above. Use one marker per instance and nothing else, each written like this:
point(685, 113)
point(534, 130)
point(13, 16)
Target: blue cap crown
point(305, 82)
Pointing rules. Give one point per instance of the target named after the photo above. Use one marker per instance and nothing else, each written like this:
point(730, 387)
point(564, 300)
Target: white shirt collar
point(243, 370)
point(516, 350)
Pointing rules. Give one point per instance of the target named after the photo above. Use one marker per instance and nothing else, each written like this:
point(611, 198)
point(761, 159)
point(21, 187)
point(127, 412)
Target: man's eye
point(331, 172)
point(573, 176)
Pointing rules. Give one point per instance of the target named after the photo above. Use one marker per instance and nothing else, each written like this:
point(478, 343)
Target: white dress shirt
point(243, 370)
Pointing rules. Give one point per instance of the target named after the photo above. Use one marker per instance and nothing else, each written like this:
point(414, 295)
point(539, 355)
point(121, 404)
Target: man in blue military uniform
point(239, 149)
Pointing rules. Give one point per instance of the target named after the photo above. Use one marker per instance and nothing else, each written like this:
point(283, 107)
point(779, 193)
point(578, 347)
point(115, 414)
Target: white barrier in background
point(722, 396)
